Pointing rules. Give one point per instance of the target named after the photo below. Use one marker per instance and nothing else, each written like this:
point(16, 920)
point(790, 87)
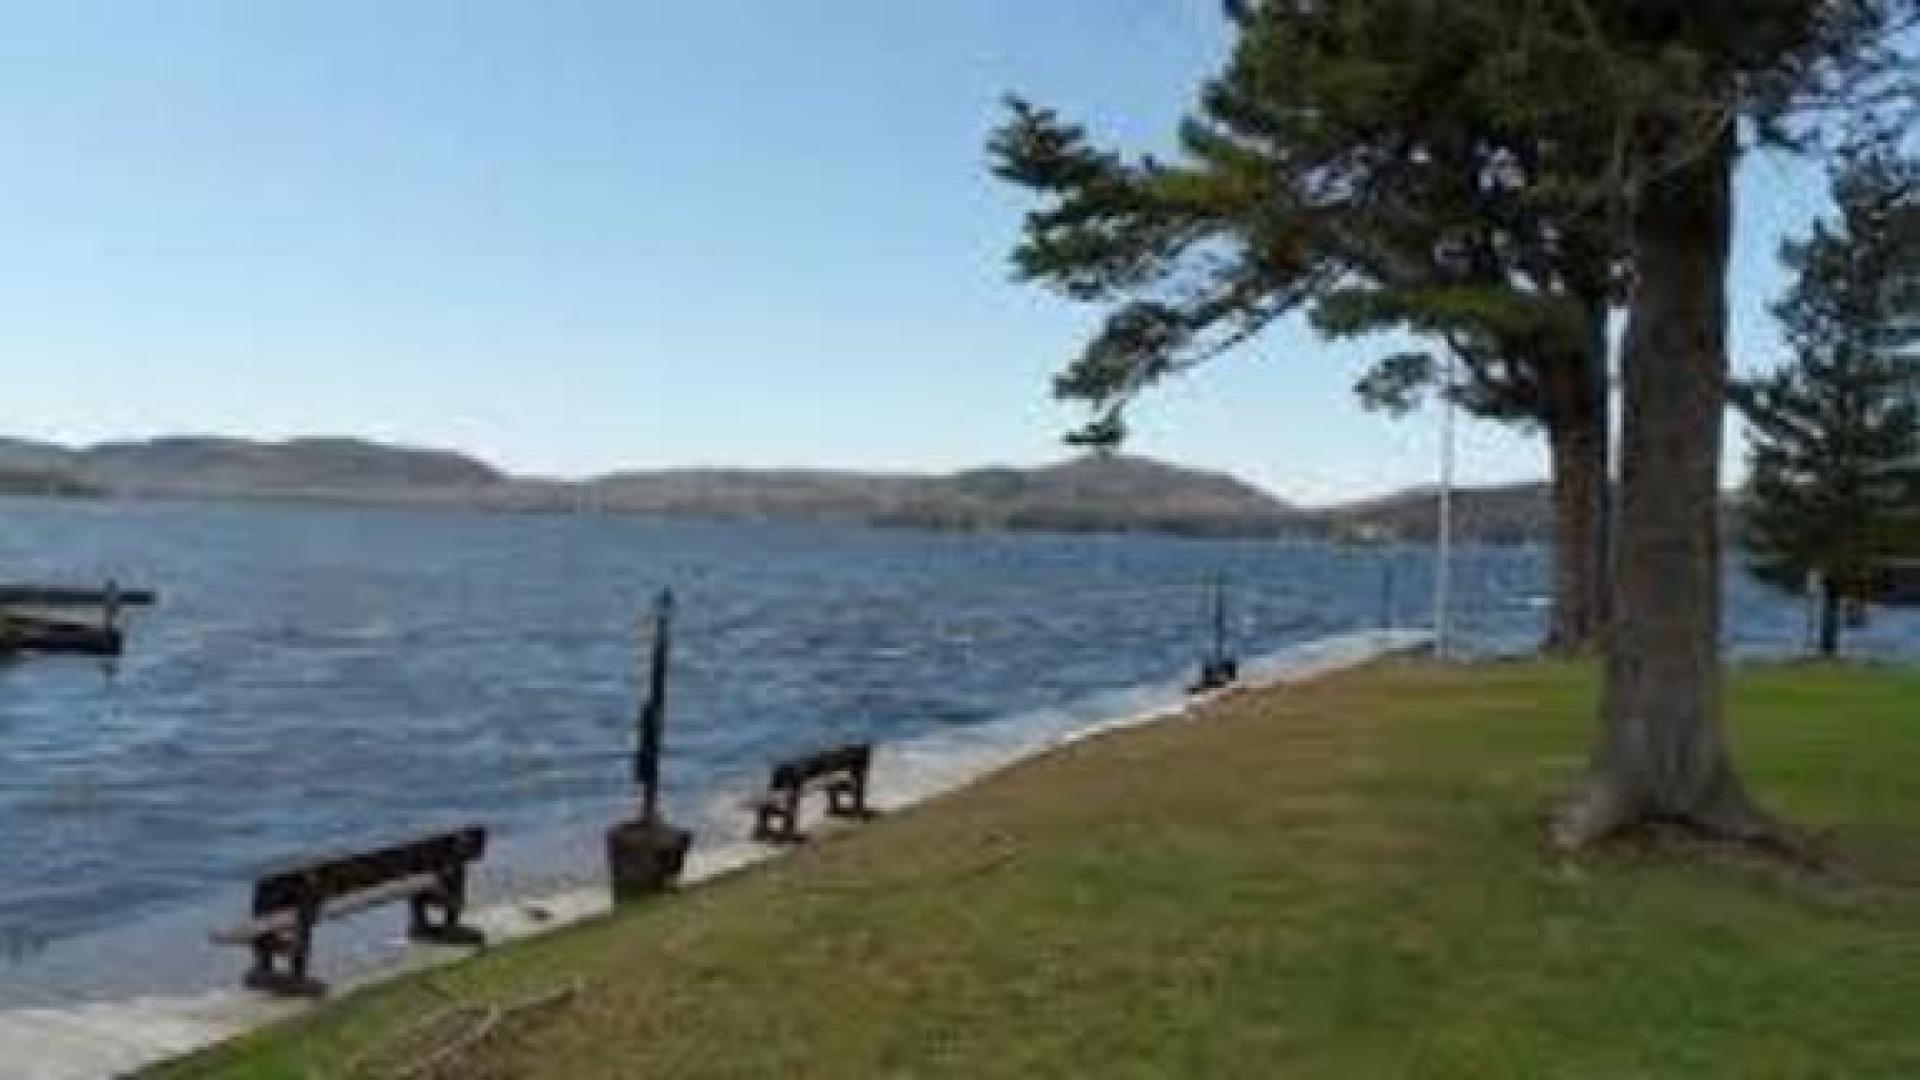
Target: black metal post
point(1386, 590)
point(646, 855)
point(1218, 668)
point(646, 759)
point(1220, 616)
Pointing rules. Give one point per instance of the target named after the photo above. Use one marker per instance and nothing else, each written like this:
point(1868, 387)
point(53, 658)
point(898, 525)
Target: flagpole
point(1443, 555)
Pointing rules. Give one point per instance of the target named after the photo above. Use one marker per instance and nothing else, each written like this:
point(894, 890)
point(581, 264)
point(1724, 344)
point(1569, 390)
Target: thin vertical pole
point(1386, 588)
point(646, 760)
point(1220, 615)
point(1816, 589)
point(1443, 555)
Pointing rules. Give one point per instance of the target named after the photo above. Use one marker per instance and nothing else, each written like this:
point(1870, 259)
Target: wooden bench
point(841, 772)
point(429, 873)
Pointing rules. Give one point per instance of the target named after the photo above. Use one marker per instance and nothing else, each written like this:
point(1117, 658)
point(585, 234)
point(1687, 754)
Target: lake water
point(318, 678)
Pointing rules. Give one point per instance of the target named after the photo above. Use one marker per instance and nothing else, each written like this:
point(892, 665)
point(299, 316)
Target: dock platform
point(51, 619)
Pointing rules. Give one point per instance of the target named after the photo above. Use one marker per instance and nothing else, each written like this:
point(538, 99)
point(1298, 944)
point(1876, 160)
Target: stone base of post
point(644, 858)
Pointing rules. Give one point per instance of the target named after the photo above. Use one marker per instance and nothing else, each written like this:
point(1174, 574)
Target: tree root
point(1558, 646)
point(1596, 813)
point(1601, 818)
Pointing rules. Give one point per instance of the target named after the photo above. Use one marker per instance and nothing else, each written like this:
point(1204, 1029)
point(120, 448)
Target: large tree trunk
point(1829, 618)
point(1577, 432)
point(1662, 754)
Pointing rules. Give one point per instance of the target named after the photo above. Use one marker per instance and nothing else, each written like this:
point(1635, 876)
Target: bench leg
point(790, 833)
point(849, 799)
point(450, 901)
point(765, 829)
point(280, 964)
point(786, 813)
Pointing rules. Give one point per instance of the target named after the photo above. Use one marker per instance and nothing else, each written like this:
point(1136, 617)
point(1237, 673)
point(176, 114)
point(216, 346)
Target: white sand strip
point(107, 1039)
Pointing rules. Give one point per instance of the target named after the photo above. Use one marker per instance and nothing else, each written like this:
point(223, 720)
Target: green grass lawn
point(1340, 880)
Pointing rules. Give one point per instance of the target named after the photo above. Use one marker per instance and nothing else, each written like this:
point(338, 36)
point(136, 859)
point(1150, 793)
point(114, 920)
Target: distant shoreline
point(1323, 530)
point(1092, 494)
point(1120, 496)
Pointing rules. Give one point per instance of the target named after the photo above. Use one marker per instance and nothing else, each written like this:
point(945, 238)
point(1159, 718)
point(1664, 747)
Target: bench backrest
point(845, 759)
point(318, 880)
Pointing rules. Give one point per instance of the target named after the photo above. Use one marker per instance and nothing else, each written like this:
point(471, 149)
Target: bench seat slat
point(283, 921)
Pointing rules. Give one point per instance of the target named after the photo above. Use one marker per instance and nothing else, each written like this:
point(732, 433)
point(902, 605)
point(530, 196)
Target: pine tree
point(1835, 435)
point(1662, 97)
point(1317, 177)
point(1686, 87)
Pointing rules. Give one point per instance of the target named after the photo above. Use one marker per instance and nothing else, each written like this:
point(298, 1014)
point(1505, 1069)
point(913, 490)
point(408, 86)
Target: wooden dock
point(60, 597)
point(30, 634)
point(55, 620)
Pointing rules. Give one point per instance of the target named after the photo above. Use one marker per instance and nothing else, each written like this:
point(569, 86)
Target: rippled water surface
point(314, 678)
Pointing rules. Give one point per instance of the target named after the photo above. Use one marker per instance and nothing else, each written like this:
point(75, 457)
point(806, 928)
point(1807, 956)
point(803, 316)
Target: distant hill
point(23, 456)
point(787, 494)
point(1088, 494)
point(300, 465)
point(1500, 514)
point(1504, 514)
point(45, 484)
point(1092, 493)
point(191, 465)
point(1097, 493)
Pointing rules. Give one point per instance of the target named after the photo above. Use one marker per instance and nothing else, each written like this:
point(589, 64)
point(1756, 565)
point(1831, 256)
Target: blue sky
point(573, 237)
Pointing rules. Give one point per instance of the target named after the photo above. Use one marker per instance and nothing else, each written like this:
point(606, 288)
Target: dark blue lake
point(314, 678)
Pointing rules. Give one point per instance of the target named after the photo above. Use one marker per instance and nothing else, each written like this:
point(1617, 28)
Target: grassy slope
point(1334, 881)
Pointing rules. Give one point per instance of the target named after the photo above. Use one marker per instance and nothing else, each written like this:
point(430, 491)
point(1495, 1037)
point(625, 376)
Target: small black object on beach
point(1219, 669)
point(645, 855)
